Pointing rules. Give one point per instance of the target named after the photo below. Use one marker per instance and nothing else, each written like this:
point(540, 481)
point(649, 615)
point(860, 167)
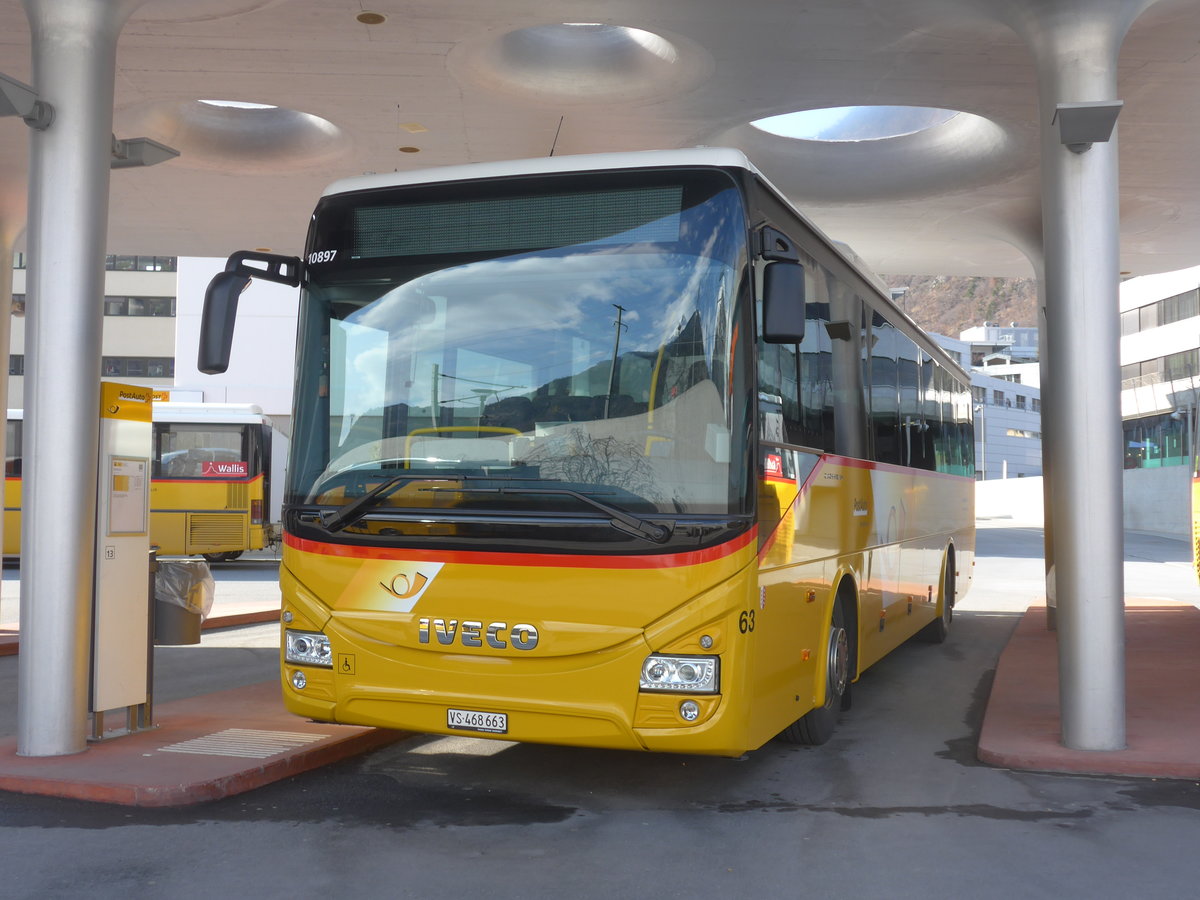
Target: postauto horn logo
point(408, 584)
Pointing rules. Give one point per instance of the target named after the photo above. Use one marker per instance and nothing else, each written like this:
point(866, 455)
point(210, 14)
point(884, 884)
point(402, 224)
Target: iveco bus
point(615, 451)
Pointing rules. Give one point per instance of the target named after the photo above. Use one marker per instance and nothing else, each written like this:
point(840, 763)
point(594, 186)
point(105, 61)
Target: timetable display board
point(121, 603)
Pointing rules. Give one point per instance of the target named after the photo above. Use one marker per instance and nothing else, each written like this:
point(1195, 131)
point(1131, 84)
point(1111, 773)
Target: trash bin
point(183, 595)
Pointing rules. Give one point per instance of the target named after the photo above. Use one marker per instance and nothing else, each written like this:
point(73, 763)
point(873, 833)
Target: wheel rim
point(947, 596)
point(839, 662)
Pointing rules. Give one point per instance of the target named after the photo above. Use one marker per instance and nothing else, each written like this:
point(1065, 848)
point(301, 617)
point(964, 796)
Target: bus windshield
point(507, 346)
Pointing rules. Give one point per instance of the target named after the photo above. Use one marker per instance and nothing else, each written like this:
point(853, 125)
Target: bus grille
point(210, 533)
point(237, 496)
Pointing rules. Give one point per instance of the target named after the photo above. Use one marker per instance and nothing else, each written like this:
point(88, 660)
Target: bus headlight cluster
point(307, 648)
point(693, 674)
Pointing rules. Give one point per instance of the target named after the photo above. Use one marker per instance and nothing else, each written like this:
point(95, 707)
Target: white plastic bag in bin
point(185, 582)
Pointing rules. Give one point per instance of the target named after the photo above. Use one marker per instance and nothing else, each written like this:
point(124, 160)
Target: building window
point(1037, 405)
point(1155, 441)
point(139, 306)
point(978, 394)
point(140, 263)
point(1129, 322)
point(16, 364)
point(1149, 317)
point(1161, 312)
point(1185, 364)
point(119, 263)
point(138, 367)
point(998, 397)
point(1180, 365)
point(1020, 401)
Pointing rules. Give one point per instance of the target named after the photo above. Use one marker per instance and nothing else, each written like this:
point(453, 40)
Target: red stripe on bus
point(554, 560)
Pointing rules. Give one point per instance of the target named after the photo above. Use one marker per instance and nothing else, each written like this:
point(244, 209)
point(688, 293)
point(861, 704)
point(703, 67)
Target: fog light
point(689, 710)
point(299, 682)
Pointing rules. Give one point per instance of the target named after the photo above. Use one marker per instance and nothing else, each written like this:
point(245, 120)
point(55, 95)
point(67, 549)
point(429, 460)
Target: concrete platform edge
point(1022, 729)
point(176, 795)
point(151, 768)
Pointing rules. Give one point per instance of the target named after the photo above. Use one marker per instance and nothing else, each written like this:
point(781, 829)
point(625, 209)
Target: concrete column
point(74, 69)
point(1075, 44)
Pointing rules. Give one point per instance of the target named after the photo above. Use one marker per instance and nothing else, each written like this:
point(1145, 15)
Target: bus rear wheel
point(222, 557)
point(817, 725)
point(938, 630)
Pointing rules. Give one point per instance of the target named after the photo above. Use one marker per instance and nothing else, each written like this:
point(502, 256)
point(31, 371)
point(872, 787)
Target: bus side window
point(884, 391)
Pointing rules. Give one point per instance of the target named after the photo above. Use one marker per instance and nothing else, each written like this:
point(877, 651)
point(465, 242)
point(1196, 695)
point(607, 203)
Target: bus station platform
point(201, 748)
point(1022, 726)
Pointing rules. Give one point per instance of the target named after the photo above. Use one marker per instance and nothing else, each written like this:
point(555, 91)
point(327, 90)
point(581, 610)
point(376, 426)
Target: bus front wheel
point(816, 726)
point(222, 557)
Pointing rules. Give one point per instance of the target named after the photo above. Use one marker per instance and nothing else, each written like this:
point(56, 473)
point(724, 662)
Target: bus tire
point(938, 630)
point(817, 725)
point(222, 557)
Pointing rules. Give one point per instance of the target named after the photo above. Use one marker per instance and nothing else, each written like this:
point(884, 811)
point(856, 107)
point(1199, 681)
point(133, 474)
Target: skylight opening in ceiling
point(593, 42)
point(855, 123)
point(237, 104)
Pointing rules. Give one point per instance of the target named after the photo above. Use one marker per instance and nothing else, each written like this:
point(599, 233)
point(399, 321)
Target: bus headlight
point(693, 674)
point(307, 648)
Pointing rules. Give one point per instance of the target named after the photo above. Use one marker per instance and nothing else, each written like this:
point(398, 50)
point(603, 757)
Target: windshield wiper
point(617, 517)
point(336, 520)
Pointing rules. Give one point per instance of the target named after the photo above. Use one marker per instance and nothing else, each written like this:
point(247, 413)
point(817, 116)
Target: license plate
point(473, 720)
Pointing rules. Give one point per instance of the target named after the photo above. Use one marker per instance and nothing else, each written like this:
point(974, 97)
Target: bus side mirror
point(783, 303)
point(216, 322)
point(221, 301)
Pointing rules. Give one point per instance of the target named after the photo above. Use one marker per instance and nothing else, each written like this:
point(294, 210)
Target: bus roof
point(166, 412)
point(208, 412)
point(192, 412)
point(587, 162)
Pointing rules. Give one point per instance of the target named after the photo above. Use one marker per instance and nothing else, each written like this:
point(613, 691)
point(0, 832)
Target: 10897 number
point(474, 720)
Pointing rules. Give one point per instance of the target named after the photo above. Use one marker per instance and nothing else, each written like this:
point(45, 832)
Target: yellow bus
point(210, 492)
point(613, 451)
